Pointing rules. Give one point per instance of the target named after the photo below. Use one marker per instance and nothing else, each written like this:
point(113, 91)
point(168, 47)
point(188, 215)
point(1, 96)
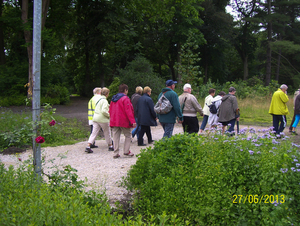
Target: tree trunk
point(269, 53)
point(2, 53)
point(28, 41)
point(100, 62)
point(206, 72)
point(28, 38)
point(179, 75)
point(88, 86)
point(246, 72)
point(278, 65)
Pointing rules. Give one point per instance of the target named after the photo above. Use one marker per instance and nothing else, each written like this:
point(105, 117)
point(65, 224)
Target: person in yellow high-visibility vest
point(91, 109)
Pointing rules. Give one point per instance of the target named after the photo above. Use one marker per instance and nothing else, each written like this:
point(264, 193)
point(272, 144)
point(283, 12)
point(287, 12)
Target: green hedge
point(199, 178)
point(62, 201)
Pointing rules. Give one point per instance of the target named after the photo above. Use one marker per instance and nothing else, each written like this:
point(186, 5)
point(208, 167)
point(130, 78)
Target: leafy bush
point(57, 92)
point(15, 100)
point(24, 200)
point(113, 88)
point(139, 72)
point(199, 178)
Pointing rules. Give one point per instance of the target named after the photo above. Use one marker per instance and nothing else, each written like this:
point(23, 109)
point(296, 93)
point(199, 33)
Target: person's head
point(211, 92)
point(222, 93)
point(139, 90)
point(171, 84)
point(147, 90)
point(187, 88)
point(97, 90)
point(123, 88)
point(232, 90)
point(105, 91)
point(284, 87)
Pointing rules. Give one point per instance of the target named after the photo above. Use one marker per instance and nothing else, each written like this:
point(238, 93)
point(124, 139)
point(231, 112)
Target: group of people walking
point(135, 116)
point(226, 110)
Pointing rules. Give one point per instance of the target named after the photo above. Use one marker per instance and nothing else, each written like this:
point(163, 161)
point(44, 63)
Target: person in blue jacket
point(146, 116)
point(168, 120)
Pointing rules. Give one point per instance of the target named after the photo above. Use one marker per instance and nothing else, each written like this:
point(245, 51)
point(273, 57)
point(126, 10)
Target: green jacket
point(175, 112)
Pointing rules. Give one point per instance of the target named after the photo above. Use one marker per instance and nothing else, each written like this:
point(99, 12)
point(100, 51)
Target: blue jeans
point(232, 123)
point(204, 122)
point(136, 130)
point(168, 128)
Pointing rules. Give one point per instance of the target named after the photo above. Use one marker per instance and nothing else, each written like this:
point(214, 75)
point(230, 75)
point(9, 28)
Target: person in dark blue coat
point(146, 116)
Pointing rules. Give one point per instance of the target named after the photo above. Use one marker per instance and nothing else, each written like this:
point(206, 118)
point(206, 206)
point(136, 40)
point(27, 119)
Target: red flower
point(20, 159)
point(40, 139)
point(52, 123)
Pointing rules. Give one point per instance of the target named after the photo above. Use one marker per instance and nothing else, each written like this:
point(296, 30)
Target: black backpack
point(212, 108)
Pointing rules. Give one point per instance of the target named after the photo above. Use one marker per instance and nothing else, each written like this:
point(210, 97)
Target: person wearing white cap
point(189, 106)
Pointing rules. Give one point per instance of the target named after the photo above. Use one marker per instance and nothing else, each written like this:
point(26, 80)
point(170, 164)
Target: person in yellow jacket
point(278, 109)
point(91, 109)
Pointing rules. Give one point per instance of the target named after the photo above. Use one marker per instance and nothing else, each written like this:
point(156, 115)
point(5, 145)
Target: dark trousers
point(190, 124)
point(293, 120)
point(279, 119)
point(147, 130)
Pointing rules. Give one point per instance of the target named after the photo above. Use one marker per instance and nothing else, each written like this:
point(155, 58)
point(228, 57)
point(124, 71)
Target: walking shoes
point(129, 154)
point(88, 150)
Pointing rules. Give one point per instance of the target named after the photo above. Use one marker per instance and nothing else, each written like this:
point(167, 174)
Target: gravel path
point(99, 168)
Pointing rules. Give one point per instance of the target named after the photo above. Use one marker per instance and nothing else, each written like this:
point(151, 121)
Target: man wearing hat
point(228, 111)
point(189, 106)
point(168, 120)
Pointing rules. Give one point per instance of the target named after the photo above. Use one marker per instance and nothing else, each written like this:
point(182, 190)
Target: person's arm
point(196, 104)
point(104, 108)
point(284, 97)
point(176, 107)
point(129, 110)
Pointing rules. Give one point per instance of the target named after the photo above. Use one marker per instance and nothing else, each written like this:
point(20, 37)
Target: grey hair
point(283, 86)
point(97, 90)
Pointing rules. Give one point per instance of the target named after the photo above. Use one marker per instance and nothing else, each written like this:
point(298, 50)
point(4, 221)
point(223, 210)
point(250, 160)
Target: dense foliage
point(250, 179)
point(62, 201)
point(195, 41)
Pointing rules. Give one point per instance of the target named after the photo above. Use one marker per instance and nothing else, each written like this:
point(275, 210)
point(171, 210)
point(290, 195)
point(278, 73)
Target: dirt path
point(99, 168)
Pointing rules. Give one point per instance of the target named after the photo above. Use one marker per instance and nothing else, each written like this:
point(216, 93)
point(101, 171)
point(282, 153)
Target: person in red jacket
point(121, 120)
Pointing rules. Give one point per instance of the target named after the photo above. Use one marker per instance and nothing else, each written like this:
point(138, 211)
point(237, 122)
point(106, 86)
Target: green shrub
point(24, 200)
point(15, 100)
point(140, 72)
point(59, 92)
point(198, 178)
point(113, 88)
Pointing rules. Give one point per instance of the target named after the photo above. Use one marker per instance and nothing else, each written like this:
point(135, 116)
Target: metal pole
point(36, 71)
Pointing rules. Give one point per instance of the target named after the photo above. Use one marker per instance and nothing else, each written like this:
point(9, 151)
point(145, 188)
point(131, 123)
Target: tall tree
point(28, 34)
point(2, 53)
point(216, 28)
point(244, 40)
point(269, 52)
